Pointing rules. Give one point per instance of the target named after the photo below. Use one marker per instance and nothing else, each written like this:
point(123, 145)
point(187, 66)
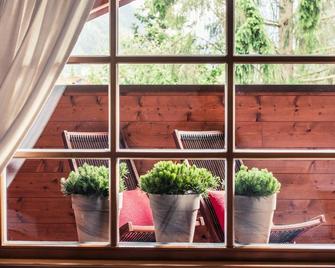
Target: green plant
point(255, 182)
point(123, 175)
point(309, 13)
point(167, 177)
point(251, 38)
point(91, 180)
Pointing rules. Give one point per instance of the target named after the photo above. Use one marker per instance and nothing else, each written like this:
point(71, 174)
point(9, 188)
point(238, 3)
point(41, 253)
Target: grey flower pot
point(174, 216)
point(253, 218)
point(92, 217)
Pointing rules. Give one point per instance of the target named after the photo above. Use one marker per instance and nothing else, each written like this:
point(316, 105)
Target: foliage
point(167, 177)
point(123, 173)
point(98, 76)
point(91, 180)
point(158, 30)
point(251, 38)
point(309, 14)
point(255, 182)
point(171, 74)
point(168, 27)
point(309, 18)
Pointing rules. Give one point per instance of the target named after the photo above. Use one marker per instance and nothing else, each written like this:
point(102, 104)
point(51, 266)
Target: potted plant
point(174, 191)
point(89, 190)
point(255, 202)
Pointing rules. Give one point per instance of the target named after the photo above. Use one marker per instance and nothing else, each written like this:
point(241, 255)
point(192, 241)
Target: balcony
point(267, 116)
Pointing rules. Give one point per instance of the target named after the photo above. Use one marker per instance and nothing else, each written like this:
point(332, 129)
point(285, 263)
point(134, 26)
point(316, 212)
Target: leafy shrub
point(123, 175)
point(91, 180)
point(167, 177)
point(255, 182)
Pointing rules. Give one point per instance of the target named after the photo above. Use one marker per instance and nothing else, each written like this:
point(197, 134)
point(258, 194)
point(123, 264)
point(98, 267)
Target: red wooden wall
point(274, 116)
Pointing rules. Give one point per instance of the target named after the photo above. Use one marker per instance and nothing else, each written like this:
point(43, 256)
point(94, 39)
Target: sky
point(94, 37)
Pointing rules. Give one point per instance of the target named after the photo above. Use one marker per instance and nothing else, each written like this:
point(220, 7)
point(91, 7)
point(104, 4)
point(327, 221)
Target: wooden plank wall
point(283, 118)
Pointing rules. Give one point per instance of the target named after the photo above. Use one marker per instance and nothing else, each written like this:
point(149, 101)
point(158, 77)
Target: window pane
point(171, 74)
point(37, 209)
point(288, 74)
point(285, 106)
point(94, 37)
point(172, 27)
point(177, 225)
point(86, 74)
point(76, 113)
point(302, 210)
point(285, 27)
point(156, 101)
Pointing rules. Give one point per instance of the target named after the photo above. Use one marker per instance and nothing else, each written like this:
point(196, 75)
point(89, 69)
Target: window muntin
point(215, 253)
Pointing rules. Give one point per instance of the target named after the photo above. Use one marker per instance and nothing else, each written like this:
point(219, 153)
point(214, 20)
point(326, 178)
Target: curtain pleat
point(37, 37)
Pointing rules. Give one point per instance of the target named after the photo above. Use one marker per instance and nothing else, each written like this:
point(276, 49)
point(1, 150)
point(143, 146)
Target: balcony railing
point(267, 116)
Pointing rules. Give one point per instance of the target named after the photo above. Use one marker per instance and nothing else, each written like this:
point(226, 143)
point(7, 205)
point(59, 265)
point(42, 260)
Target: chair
point(215, 140)
point(283, 234)
point(131, 233)
point(98, 140)
point(289, 232)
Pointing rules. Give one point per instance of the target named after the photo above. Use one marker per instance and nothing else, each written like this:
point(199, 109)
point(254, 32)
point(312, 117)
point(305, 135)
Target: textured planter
point(174, 216)
point(253, 218)
point(92, 217)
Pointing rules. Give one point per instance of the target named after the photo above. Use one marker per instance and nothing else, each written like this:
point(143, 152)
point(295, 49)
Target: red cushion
point(136, 208)
point(217, 200)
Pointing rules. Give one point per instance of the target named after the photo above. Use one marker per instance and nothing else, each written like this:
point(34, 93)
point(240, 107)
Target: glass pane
point(156, 101)
point(171, 74)
point(165, 194)
point(285, 106)
point(172, 27)
point(305, 74)
point(302, 211)
point(94, 37)
point(285, 27)
point(85, 74)
point(38, 208)
point(76, 114)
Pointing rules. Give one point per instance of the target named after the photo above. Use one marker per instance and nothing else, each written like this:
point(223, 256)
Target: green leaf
point(167, 177)
point(91, 180)
point(255, 182)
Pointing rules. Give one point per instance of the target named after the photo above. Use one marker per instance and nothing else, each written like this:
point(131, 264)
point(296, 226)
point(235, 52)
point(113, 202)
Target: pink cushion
point(217, 200)
point(135, 208)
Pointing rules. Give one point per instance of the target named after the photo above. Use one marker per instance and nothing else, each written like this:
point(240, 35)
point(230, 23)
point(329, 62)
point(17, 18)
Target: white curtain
point(36, 38)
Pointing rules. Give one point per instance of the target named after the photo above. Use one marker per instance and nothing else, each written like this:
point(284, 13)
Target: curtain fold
point(37, 37)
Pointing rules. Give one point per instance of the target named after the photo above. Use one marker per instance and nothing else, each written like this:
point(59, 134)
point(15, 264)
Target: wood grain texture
point(282, 119)
point(42, 232)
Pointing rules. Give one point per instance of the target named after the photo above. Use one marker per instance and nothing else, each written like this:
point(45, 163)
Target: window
point(149, 80)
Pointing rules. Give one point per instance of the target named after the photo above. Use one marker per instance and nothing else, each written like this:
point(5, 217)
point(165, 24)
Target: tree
point(251, 38)
point(171, 27)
